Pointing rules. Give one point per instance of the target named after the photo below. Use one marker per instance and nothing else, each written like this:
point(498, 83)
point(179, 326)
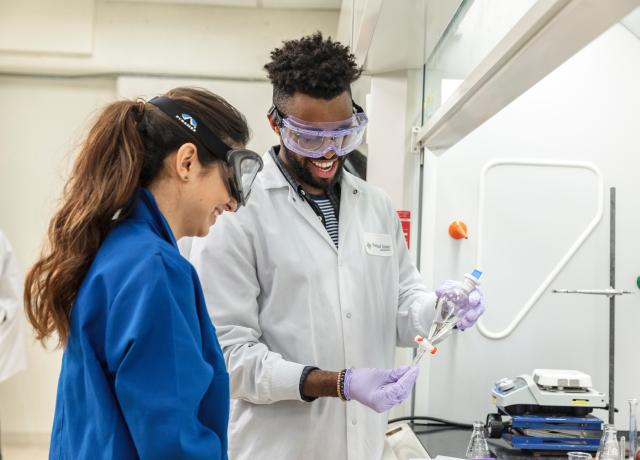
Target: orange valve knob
point(458, 230)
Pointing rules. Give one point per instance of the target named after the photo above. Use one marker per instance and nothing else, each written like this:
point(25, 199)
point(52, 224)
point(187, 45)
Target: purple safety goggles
point(315, 140)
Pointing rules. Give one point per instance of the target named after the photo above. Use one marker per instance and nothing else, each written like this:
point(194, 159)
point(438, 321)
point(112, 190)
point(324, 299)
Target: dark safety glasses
point(242, 165)
point(242, 168)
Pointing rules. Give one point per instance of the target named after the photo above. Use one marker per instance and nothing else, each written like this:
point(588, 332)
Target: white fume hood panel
point(632, 22)
point(546, 36)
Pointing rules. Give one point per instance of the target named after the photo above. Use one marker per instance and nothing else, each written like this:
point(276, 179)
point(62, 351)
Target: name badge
point(378, 244)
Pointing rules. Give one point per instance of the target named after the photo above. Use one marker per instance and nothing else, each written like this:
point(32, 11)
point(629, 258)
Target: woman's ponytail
point(104, 178)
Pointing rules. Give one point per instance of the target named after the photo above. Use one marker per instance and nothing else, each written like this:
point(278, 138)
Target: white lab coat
point(282, 296)
point(12, 343)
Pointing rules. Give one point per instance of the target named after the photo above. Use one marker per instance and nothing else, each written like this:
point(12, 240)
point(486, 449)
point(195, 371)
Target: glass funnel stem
point(633, 427)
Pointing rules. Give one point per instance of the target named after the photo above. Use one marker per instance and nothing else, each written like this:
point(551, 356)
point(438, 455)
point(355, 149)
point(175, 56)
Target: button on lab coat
point(13, 353)
point(282, 296)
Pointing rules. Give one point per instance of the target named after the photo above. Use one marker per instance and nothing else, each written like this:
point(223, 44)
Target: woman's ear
point(186, 161)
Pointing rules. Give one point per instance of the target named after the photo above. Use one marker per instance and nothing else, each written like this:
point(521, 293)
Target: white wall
point(148, 38)
point(67, 30)
point(41, 122)
point(586, 110)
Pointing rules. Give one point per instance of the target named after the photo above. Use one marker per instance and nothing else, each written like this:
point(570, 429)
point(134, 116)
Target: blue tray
point(549, 423)
point(588, 444)
point(535, 443)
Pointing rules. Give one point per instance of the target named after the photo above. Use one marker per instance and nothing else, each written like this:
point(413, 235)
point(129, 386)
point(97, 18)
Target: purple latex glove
point(380, 389)
point(468, 310)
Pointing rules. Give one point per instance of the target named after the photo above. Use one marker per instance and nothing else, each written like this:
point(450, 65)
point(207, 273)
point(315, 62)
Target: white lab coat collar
point(272, 178)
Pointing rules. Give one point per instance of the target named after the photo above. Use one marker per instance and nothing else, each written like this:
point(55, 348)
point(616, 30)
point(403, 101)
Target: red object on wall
point(405, 221)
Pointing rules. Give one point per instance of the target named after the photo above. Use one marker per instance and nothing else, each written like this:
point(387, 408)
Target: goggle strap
point(198, 131)
point(275, 115)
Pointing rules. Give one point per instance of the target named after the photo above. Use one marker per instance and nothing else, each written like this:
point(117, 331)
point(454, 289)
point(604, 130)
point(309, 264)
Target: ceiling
point(289, 4)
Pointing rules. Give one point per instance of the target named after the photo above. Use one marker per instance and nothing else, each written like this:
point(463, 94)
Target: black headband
point(199, 132)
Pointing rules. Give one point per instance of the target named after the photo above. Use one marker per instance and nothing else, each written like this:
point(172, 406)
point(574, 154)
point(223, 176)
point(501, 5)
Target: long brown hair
point(125, 149)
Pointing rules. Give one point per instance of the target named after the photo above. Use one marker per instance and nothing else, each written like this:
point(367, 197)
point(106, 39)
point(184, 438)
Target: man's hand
point(380, 389)
point(468, 309)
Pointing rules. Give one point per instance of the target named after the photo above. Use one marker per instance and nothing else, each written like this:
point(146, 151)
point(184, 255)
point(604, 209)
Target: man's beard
point(300, 166)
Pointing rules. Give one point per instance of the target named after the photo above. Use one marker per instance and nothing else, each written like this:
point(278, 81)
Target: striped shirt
point(329, 218)
point(327, 207)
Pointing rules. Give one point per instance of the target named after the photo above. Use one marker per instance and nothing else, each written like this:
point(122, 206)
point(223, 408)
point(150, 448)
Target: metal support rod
point(418, 259)
point(612, 293)
point(609, 292)
point(419, 219)
point(612, 303)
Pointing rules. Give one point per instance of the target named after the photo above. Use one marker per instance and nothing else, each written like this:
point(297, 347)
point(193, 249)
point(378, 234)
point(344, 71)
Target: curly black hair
point(313, 66)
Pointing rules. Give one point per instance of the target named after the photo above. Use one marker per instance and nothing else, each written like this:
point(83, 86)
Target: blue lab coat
point(142, 375)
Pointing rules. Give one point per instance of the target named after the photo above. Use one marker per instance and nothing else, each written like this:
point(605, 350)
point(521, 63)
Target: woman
point(142, 373)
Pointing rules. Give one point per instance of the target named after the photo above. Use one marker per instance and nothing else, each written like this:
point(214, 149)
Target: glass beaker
point(478, 447)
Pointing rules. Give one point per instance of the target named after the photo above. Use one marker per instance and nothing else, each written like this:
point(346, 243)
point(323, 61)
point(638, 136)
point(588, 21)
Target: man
point(313, 277)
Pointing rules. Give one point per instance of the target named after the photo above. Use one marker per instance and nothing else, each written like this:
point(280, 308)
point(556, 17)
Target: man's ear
point(274, 125)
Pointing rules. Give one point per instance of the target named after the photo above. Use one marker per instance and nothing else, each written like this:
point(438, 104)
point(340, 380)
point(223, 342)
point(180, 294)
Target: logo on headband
point(188, 121)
